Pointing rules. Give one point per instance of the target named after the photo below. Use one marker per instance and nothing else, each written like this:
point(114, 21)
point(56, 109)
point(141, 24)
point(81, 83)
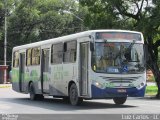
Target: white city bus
point(95, 64)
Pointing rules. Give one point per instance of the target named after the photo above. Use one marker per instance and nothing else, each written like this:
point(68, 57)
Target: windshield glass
point(118, 58)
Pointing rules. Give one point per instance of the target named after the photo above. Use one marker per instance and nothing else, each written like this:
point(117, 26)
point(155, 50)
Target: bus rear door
point(45, 76)
point(22, 72)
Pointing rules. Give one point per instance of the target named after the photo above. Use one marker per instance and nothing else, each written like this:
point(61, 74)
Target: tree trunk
point(156, 73)
point(152, 63)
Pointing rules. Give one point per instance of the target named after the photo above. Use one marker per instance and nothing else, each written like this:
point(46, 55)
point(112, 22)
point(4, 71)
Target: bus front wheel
point(73, 95)
point(119, 100)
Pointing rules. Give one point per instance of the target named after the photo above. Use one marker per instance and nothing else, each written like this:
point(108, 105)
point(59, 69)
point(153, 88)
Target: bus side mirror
point(91, 46)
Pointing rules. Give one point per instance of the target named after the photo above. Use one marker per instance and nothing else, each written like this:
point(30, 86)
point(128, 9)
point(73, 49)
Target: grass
point(151, 90)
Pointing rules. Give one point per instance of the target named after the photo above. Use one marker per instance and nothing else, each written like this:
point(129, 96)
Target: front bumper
point(113, 92)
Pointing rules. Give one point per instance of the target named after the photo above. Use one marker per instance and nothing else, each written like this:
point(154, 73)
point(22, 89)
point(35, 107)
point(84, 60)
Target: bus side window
point(35, 56)
point(15, 59)
point(57, 53)
point(29, 52)
point(70, 51)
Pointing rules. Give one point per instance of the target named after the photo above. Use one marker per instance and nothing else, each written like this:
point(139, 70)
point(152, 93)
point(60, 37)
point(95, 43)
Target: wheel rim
point(73, 95)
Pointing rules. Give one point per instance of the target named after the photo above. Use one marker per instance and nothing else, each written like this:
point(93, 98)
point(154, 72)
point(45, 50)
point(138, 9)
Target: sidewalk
point(151, 84)
point(5, 85)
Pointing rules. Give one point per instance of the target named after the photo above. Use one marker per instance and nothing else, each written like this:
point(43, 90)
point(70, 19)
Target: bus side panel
point(15, 79)
point(56, 80)
point(32, 74)
point(69, 74)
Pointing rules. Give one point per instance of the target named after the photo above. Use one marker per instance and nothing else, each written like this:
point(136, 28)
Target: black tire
point(32, 94)
point(119, 100)
point(66, 99)
point(73, 95)
point(40, 97)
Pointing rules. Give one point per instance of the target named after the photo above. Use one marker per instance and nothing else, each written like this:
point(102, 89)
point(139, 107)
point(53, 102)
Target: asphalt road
point(16, 103)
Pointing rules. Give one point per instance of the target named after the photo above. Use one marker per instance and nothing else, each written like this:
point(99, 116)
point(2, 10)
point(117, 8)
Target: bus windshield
point(116, 57)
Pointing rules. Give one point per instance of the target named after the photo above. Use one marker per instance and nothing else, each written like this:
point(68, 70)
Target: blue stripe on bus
point(112, 92)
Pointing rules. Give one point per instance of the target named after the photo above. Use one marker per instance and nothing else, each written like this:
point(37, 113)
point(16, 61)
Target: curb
point(5, 86)
point(151, 84)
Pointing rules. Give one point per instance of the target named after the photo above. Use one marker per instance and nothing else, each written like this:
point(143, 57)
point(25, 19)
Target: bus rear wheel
point(33, 95)
point(119, 100)
point(66, 99)
point(73, 95)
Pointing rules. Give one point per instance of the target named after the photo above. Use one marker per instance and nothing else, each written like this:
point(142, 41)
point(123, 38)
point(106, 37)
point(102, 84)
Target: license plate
point(121, 90)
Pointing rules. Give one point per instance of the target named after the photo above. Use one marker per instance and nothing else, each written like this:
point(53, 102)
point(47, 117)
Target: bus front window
point(118, 58)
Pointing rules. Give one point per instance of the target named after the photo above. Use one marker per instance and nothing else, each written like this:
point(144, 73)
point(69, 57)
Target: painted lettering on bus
point(34, 75)
point(59, 73)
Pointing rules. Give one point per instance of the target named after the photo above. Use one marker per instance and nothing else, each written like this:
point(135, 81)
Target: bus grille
point(120, 80)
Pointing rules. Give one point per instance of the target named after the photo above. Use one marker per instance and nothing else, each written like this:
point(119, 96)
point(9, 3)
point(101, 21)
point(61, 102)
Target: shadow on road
point(149, 98)
point(60, 105)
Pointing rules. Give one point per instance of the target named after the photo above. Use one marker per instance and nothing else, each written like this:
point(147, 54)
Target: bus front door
point(22, 72)
point(45, 78)
point(84, 51)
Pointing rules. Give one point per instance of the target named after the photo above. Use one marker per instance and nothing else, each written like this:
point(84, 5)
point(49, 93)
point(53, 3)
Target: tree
point(1, 19)
point(41, 19)
point(140, 15)
point(6, 6)
point(36, 20)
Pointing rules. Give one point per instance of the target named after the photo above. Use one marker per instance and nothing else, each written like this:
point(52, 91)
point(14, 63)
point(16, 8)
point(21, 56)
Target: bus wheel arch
point(33, 95)
point(29, 86)
point(73, 94)
point(31, 90)
point(69, 85)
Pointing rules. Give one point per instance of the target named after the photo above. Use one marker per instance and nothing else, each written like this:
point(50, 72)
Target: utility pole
point(69, 12)
point(5, 41)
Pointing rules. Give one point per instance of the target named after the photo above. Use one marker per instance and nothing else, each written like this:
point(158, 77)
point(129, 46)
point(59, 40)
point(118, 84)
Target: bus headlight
point(141, 85)
point(97, 84)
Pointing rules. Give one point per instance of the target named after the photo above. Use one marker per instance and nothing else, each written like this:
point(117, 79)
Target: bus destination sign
point(118, 36)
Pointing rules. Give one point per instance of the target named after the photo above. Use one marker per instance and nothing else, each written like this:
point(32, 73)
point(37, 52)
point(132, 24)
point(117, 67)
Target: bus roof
point(68, 38)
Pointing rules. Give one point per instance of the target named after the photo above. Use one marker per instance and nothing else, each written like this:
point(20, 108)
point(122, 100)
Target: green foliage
point(41, 19)
point(36, 20)
point(141, 15)
point(6, 7)
point(99, 15)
